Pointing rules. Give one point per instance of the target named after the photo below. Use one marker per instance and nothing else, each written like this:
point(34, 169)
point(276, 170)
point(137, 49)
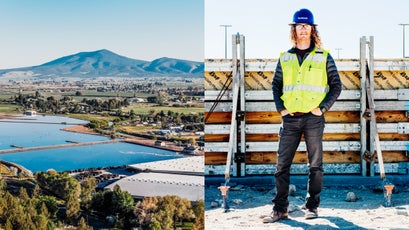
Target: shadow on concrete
point(333, 223)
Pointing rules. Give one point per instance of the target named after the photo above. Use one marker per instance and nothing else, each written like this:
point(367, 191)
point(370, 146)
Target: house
point(30, 113)
point(160, 143)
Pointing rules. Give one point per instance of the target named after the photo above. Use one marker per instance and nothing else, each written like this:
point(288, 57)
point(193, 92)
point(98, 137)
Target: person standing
point(306, 84)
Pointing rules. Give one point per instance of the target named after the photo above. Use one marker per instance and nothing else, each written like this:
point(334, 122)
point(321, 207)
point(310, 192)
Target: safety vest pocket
point(313, 77)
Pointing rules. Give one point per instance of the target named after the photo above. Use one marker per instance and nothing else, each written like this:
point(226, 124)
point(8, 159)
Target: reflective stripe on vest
point(305, 86)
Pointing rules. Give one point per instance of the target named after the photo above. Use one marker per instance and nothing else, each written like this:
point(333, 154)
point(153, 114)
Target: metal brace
point(368, 156)
point(367, 115)
point(239, 155)
point(240, 115)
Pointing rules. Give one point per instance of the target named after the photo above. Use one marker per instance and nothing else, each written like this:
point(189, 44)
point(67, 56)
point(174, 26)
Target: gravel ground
point(342, 207)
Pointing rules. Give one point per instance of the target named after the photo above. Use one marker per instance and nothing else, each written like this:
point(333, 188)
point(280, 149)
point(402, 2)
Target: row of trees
point(58, 199)
point(66, 104)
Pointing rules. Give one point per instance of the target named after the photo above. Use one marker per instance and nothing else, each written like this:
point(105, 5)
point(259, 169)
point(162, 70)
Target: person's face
point(303, 31)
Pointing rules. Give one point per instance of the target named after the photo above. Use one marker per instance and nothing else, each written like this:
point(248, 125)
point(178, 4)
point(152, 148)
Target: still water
point(31, 134)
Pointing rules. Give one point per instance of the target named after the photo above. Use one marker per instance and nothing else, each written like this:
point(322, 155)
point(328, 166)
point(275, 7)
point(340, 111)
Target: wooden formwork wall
point(342, 134)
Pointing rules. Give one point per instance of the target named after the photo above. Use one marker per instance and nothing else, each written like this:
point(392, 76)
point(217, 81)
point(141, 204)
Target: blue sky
point(35, 32)
point(341, 23)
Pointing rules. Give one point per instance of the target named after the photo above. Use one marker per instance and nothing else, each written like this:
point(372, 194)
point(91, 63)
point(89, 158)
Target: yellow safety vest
point(305, 86)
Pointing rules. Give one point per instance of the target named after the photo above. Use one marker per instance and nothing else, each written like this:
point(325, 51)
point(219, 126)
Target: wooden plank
point(342, 64)
point(275, 117)
point(401, 128)
point(269, 106)
point(274, 137)
point(217, 117)
point(261, 80)
point(274, 128)
point(329, 157)
point(327, 146)
point(391, 116)
point(338, 106)
point(301, 157)
point(269, 169)
point(271, 157)
point(262, 117)
point(393, 79)
point(268, 146)
point(267, 95)
point(394, 145)
point(403, 94)
point(393, 156)
point(393, 137)
point(330, 117)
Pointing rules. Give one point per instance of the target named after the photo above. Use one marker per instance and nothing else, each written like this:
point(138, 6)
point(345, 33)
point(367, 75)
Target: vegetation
point(53, 200)
point(111, 111)
point(169, 212)
point(57, 199)
point(10, 109)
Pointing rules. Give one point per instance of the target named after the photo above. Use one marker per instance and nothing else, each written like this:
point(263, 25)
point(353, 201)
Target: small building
point(30, 113)
point(160, 143)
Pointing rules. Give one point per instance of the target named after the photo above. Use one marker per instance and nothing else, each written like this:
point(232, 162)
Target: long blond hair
point(315, 37)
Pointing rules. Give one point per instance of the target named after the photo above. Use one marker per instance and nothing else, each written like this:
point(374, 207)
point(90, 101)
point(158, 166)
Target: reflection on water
point(30, 135)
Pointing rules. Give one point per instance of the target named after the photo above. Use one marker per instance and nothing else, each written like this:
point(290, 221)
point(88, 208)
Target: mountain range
point(104, 63)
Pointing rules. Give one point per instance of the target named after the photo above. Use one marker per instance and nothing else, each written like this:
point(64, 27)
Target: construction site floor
point(250, 197)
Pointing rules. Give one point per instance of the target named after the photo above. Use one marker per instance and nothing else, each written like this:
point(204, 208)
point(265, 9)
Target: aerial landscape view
point(98, 131)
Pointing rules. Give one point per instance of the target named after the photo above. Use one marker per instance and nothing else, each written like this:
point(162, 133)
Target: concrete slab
point(185, 165)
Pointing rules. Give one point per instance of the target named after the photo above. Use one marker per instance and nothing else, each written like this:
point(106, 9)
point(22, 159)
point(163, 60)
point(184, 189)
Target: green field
point(10, 109)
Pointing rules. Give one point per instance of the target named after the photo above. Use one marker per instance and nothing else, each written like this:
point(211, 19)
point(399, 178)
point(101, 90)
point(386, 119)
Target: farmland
point(134, 105)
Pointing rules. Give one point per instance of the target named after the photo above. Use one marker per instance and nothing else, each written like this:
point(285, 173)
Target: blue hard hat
point(303, 16)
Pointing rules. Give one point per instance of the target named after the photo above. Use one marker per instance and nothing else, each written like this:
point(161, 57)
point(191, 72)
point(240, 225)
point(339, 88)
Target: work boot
point(275, 216)
point(311, 214)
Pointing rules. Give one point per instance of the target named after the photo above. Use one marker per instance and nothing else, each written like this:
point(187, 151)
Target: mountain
point(104, 63)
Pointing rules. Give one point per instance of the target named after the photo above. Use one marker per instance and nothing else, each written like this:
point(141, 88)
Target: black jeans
point(290, 136)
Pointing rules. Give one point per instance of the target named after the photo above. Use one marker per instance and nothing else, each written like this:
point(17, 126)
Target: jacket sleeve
point(334, 84)
point(277, 87)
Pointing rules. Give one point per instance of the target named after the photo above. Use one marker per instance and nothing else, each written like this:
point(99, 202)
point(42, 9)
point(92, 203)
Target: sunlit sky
point(35, 32)
point(341, 24)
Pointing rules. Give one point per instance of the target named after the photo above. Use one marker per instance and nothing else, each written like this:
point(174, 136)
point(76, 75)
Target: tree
point(36, 191)
point(145, 211)
point(82, 225)
point(37, 95)
point(51, 203)
point(122, 201)
point(72, 208)
point(199, 211)
point(155, 225)
point(3, 185)
point(87, 189)
point(44, 211)
point(22, 194)
point(132, 114)
point(41, 222)
point(97, 202)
